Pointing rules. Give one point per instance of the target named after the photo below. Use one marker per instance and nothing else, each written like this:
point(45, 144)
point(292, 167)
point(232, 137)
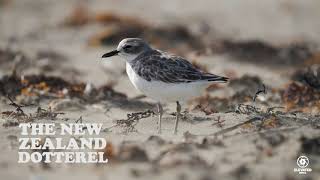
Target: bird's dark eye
point(127, 47)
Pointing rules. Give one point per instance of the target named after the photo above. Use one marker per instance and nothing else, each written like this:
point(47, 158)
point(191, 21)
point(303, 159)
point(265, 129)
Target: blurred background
point(284, 33)
point(50, 56)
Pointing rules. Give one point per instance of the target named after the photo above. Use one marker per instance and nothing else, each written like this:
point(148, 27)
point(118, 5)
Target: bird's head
point(129, 49)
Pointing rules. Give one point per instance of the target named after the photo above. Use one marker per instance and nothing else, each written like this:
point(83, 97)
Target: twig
point(17, 106)
point(79, 120)
point(218, 122)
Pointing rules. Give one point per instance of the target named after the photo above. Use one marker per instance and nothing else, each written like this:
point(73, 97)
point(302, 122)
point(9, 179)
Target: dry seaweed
point(54, 87)
point(262, 53)
point(177, 38)
point(13, 118)
point(301, 97)
point(309, 76)
point(133, 119)
point(218, 122)
point(46, 114)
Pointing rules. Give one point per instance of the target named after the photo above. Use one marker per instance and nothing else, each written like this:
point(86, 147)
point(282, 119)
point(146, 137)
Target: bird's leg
point(160, 111)
point(177, 118)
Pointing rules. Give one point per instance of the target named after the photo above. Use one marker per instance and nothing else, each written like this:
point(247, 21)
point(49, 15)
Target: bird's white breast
point(165, 92)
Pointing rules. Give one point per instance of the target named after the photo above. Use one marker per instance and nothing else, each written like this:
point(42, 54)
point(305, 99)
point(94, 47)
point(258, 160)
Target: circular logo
point(302, 161)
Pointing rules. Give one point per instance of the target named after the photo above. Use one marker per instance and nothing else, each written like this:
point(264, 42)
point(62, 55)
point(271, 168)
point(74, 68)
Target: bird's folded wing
point(171, 69)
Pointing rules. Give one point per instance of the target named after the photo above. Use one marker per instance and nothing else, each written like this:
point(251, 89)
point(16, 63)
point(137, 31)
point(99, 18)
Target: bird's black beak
point(111, 53)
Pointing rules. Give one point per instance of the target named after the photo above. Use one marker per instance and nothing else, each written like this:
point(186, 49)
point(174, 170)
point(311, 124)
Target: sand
point(197, 151)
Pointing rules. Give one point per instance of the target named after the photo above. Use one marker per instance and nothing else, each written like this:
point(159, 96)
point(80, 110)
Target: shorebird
point(161, 76)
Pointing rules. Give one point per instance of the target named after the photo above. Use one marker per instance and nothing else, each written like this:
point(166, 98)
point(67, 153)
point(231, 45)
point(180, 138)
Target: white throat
point(129, 57)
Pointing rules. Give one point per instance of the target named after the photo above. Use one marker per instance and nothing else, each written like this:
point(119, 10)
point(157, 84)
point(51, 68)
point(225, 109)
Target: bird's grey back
point(155, 65)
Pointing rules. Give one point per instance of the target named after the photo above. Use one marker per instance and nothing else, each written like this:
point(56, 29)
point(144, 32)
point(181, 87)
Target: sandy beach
point(253, 127)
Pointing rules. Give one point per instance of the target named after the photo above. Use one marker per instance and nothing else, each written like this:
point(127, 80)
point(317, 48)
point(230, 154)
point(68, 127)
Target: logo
point(302, 162)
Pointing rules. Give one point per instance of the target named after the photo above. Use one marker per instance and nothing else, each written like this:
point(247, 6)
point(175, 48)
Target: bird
point(161, 76)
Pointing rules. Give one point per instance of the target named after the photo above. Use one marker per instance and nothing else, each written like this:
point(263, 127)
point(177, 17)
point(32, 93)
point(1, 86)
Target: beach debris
point(133, 119)
point(309, 76)
point(39, 85)
point(17, 106)
point(246, 109)
point(260, 52)
point(177, 38)
point(246, 90)
point(301, 97)
point(32, 88)
point(13, 118)
point(218, 122)
point(46, 114)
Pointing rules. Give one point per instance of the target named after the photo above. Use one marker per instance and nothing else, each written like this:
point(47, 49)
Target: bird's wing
point(171, 69)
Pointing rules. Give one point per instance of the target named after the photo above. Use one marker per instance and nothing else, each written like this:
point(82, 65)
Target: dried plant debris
point(309, 76)
point(262, 53)
point(54, 87)
point(299, 97)
point(177, 38)
point(13, 118)
point(39, 85)
point(133, 119)
point(46, 114)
